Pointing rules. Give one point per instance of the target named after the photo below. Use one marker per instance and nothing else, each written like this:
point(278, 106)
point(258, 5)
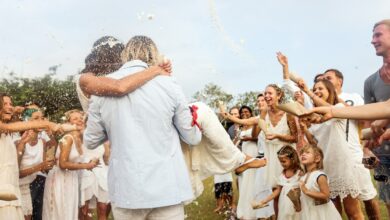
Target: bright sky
point(231, 43)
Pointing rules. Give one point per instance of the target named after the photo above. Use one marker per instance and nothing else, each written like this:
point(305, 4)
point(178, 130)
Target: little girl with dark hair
point(287, 183)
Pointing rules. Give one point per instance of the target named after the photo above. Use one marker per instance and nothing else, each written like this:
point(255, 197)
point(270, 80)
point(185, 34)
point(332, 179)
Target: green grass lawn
point(203, 207)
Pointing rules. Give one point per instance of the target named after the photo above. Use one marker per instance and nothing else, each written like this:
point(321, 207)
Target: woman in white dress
point(330, 137)
point(61, 197)
point(281, 130)
point(246, 181)
point(9, 172)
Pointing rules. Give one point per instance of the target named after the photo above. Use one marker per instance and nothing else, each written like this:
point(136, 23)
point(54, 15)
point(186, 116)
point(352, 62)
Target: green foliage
point(211, 94)
point(248, 99)
point(53, 95)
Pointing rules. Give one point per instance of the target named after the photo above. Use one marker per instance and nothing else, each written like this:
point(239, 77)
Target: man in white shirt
point(367, 189)
point(147, 178)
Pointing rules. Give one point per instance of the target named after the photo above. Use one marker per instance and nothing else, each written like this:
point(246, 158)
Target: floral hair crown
point(110, 41)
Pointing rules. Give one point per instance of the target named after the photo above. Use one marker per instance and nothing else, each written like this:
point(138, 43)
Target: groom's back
point(142, 127)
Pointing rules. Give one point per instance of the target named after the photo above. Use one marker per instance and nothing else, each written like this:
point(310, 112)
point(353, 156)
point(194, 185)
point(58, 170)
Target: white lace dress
point(9, 179)
point(271, 147)
point(286, 207)
point(309, 209)
point(246, 183)
point(338, 163)
point(61, 196)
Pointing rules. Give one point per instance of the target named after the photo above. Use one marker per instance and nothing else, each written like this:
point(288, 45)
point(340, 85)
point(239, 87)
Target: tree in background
point(53, 95)
point(248, 99)
point(211, 94)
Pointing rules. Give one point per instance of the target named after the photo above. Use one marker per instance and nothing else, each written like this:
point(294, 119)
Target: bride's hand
point(222, 110)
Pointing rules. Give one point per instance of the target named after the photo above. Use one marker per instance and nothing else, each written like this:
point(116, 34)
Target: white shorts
point(94, 194)
point(173, 212)
point(366, 187)
point(26, 199)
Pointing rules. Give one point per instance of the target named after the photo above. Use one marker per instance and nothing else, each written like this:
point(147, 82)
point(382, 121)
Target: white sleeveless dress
point(246, 182)
point(32, 156)
point(271, 147)
point(9, 179)
point(84, 100)
point(94, 183)
point(262, 189)
point(61, 196)
point(309, 209)
point(286, 207)
point(338, 163)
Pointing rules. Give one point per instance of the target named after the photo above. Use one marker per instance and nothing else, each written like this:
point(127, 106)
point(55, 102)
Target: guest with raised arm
point(367, 189)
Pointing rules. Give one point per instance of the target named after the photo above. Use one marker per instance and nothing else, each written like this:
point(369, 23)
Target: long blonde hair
point(141, 48)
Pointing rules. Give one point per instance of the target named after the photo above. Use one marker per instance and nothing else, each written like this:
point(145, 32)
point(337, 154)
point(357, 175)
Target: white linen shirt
point(147, 167)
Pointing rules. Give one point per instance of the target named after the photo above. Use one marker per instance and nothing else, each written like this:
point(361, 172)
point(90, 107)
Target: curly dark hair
point(105, 56)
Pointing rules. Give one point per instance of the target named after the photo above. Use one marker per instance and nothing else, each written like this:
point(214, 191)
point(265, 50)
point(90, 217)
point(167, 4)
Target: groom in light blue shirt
point(147, 176)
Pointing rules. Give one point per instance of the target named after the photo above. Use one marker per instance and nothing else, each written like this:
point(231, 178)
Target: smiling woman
point(9, 172)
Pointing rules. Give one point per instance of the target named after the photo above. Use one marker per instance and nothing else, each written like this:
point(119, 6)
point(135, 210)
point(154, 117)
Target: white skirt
point(94, 194)
point(26, 199)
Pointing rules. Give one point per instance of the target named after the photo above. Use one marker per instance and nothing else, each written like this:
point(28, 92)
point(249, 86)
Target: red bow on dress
point(194, 113)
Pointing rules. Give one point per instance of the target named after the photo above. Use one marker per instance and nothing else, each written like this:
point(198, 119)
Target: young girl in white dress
point(61, 197)
point(288, 180)
point(314, 186)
